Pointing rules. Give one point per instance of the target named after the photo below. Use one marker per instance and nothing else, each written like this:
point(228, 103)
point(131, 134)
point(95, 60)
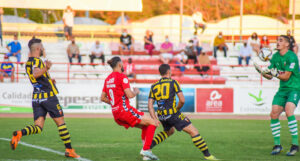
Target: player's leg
point(275, 127)
point(147, 124)
point(162, 136)
point(39, 120)
point(55, 111)
point(290, 107)
point(198, 141)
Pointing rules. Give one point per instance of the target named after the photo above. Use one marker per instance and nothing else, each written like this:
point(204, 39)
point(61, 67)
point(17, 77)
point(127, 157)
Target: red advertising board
point(215, 100)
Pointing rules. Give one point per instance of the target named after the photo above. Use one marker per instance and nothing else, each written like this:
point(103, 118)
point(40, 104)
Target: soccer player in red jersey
point(116, 92)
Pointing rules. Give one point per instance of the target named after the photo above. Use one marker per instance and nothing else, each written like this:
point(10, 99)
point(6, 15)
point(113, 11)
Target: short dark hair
point(33, 41)
point(114, 61)
point(163, 69)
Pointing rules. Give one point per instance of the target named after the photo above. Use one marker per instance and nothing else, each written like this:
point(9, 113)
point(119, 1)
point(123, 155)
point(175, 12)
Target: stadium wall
point(85, 98)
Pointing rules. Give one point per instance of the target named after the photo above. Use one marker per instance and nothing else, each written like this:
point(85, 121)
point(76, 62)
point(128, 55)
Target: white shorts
point(167, 55)
point(181, 56)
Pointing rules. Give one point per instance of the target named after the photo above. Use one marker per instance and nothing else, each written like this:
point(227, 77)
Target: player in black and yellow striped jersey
point(44, 99)
point(164, 93)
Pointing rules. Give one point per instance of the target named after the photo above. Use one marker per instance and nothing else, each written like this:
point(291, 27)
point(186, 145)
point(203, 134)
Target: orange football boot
point(71, 153)
point(15, 139)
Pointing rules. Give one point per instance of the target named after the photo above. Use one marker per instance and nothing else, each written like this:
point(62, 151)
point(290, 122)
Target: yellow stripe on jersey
point(53, 87)
point(40, 96)
point(37, 62)
point(45, 95)
point(51, 94)
point(35, 96)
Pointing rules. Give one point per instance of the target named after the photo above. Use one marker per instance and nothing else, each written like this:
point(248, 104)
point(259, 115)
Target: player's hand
point(53, 81)
point(136, 90)
point(48, 64)
point(266, 71)
point(157, 122)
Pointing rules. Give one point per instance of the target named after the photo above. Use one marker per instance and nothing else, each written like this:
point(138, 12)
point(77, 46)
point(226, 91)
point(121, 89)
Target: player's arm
point(131, 94)
point(104, 98)
point(38, 72)
point(179, 95)
point(285, 76)
point(151, 110)
point(181, 100)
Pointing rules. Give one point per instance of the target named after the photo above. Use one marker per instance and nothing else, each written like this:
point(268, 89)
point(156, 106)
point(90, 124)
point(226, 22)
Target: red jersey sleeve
point(125, 82)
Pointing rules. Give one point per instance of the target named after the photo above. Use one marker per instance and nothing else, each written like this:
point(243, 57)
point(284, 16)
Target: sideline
point(45, 149)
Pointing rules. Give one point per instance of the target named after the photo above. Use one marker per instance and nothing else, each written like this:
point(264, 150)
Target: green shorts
point(282, 97)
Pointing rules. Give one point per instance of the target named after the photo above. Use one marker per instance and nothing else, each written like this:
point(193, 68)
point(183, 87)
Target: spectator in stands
point(166, 51)
point(129, 69)
point(126, 42)
point(97, 52)
point(68, 20)
point(198, 21)
point(149, 46)
point(181, 60)
point(73, 51)
point(196, 44)
point(1, 20)
point(245, 53)
point(254, 42)
point(7, 70)
point(293, 44)
point(204, 62)
point(190, 52)
point(14, 49)
point(264, 42)
point(219, 43)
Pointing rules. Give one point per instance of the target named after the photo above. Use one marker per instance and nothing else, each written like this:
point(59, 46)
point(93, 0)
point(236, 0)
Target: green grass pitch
point(103, 139)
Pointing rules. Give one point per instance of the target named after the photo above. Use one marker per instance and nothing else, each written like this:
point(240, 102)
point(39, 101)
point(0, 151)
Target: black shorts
point(68, 29)
point(178, 120)
point(43, 106)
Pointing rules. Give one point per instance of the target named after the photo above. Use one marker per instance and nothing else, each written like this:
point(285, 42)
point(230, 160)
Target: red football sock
point(144, 130)
point(149, 136)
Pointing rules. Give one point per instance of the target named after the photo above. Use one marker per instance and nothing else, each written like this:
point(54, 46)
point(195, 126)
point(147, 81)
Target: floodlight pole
point(241, 18)
point(180, 22)
point(294, 17)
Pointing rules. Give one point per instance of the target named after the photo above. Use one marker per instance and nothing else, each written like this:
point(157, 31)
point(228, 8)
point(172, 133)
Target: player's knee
point(274, 115)
point(170, 132)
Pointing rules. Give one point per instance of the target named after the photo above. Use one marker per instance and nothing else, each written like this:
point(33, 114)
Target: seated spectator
point(166, 51)
point(73, 51)
point(264, 42)
point(181, 60)
point(204, 62)
point(149, 46)
point(14, 48)
point(97, 52)
point(129, 69)
point(7, 70)
point(245, 53)
point(219, 44)
point(293, 44)
point(126, 42)
point(190, 52)
point(254, 42)
point(196, 44)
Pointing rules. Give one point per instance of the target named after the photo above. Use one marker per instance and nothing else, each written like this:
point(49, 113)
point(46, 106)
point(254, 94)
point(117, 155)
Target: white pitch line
point(44, 149)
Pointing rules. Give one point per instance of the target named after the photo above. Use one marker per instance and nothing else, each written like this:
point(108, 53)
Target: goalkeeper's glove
point(274, 72)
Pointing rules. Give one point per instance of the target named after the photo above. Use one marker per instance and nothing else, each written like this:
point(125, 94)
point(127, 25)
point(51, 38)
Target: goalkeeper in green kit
point(284, 66)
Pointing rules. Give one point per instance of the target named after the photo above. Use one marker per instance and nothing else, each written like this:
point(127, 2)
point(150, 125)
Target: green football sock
point(275, 127)
point(292, 122)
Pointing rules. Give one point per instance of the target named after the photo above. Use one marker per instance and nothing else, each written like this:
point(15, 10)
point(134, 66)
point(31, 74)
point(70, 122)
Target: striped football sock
point(201, 144)
point(31, 129)
point(275, 127)
point(160, 137)
point(65, 135)
point(292, 122)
